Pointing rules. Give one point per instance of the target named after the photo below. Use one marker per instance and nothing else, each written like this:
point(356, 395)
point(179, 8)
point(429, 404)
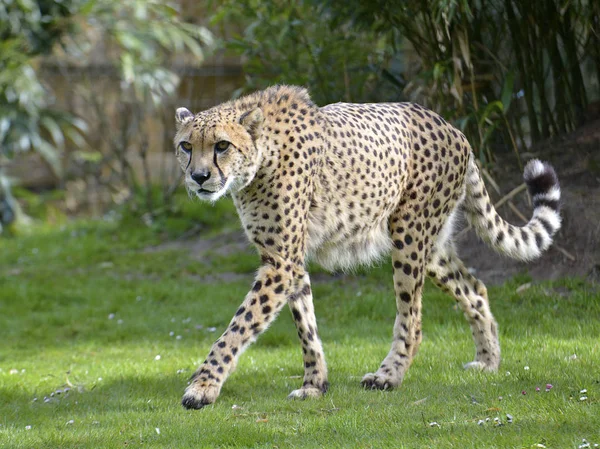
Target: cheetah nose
point(200, 177)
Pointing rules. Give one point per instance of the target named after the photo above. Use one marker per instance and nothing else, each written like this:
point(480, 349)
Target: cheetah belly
point(342, 248)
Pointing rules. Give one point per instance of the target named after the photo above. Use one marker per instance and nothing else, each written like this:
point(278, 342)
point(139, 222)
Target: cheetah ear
point(182, 116)
point(252, 121)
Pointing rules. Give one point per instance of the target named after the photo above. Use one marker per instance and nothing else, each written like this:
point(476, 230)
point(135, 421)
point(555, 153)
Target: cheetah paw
point(303, 393)
point(198, 395)
point(480, 366)
point(309, 391)
point(374, 381)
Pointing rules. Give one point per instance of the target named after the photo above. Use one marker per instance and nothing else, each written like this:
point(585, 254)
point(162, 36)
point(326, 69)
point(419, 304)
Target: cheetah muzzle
point(347, 184)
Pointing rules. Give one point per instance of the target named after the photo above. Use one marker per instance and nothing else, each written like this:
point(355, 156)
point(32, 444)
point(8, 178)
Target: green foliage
point(140, 39)
point(503, 70)
point(143, 35)
point(510, 65)
point(35, 25)
point(27, 121)
point(294, 43)
point(59, 287)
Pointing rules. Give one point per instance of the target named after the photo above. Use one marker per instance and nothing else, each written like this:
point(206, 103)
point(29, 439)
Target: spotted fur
point(347, 184)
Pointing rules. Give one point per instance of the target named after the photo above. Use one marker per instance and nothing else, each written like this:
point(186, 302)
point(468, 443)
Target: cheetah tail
point(519, 242)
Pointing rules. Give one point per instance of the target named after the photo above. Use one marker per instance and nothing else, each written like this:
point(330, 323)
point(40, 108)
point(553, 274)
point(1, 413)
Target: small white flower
point(211, 329)
point(119, 321)
point(27, 427)
point(584, 391)
point(481, 422)
point(526, 368)
point(434, 424)
point(178, 337)
point(71, 421)
point(157, 430)
point(171, 334)
point(509, 418)
point(583, 398)
point(111, 316)
point(157, 357)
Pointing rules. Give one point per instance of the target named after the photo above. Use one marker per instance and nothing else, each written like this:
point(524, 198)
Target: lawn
point(101, 325)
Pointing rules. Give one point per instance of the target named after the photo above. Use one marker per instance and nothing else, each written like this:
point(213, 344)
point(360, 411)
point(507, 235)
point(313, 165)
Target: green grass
point(59, 286)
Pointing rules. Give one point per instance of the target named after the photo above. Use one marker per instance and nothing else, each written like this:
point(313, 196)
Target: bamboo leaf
point(54, 130)
point(50, 155)
point(507, 91)
point(127, 68)
point(463, 43)
point(438, 70)
point(494, 106)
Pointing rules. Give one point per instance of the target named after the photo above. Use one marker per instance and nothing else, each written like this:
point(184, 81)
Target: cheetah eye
point(186, 147)
point(222, 146)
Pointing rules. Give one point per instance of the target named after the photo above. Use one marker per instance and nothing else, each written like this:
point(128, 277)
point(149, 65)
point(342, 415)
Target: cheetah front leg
point(315, 370)
point(260, 307)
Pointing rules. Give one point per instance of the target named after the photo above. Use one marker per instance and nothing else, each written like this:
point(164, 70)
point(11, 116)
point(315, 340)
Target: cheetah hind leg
point(409, 267)
point(448, 272)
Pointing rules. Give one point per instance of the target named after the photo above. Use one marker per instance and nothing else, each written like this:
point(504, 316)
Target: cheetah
point(345, 185)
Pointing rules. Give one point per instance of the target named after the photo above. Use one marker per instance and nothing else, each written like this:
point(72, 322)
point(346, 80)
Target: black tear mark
point(219, 168)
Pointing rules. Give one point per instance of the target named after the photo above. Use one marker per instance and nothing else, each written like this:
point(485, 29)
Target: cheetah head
point(217, 150)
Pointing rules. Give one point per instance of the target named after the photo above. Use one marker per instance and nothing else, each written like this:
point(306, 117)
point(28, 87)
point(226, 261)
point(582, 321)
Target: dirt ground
point(576, 158)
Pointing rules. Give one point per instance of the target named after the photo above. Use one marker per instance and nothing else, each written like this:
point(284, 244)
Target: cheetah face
point(217, 150)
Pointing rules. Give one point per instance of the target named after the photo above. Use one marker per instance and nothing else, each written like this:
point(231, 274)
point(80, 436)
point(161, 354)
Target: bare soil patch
point(225, 244)
point(576, 158)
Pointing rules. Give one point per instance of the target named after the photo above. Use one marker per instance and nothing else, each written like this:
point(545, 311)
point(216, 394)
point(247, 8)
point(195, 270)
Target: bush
point(505, 71)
